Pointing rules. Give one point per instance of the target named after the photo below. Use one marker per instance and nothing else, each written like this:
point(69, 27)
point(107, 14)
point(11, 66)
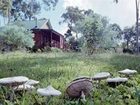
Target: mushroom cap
point(102, 75)
point(32, 82)
point(128, 72)
point(13, 81)
point(49, 91)
point(117, 79)
point(23, 87)
point(82, 77)
point(76, 87)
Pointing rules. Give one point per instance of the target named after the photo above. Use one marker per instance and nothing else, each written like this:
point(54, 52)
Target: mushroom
point(102, 75)
point(128, 72)
point(113, 82)
point(12, 82)
point(32, 82)
point(49, 92)
point(79, 88)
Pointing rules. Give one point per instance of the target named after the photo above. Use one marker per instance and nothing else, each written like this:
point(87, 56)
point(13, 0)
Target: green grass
point(58, 69)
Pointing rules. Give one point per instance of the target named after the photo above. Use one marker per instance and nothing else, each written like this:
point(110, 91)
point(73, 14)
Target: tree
point(68, 33)
point(111, 37)
point(50, 3)
point(16, 36)
point(23, 9)
point(91, 29)
point(94, 28)
point(137, 2)
point(5, 7)
point(71, 16)
point(130, 37)
point(98, 32)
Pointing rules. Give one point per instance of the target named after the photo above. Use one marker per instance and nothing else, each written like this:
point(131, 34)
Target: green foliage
point(5, 7)
point(91, 28)
point(95, 29)
point(129, 37)
point(23, 9)
point(68, 33)
point(73, 43)
point(137, 93)
point(110, 36)
point(17, 36)
point(50, 3)
point(71, 16)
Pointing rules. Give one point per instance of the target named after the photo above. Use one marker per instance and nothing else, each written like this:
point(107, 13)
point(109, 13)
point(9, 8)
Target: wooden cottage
point(44, 34)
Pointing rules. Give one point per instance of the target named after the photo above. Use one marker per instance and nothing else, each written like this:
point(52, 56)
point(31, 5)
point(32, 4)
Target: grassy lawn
point(58, 69)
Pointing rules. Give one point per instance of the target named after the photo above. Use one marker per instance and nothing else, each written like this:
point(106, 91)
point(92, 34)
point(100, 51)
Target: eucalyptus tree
point(111, 36)
point(71, 16)
point(50, 3)
point(137, 3)
point(91, 28)
point(129, 35)
point(5, 8)
point(24, 9)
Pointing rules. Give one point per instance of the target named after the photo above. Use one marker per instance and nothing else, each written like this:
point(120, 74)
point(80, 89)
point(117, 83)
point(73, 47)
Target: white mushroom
point(102, 75)
point(117, 79)
point(49, 91)
point(13, 81)
point(113, 82)
point(23, 87)
point(128, 72)
point(32, 82)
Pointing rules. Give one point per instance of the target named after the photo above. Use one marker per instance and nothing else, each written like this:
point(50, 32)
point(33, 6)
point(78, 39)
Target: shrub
point(16, 36)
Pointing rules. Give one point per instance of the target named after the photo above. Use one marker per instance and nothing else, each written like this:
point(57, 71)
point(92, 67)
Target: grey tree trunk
point(137, 23)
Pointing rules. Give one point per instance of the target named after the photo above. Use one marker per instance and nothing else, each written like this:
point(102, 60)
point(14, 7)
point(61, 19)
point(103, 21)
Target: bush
point(16, 37)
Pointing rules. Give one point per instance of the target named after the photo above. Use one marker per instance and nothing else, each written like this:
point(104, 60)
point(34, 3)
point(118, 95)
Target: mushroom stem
point(83, 96)
point(12, 95)
point(97, 83)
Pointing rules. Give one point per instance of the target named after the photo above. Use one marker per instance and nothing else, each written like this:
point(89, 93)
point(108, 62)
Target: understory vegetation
point(59, 69)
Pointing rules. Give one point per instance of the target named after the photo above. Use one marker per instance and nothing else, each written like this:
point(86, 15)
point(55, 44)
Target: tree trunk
point(137, 30)
point(127, 44)
point(4, 20)
point(9, 16)
point(114, 49)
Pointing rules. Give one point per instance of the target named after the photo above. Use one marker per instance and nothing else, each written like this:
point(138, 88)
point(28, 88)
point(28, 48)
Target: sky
point(122, 13)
